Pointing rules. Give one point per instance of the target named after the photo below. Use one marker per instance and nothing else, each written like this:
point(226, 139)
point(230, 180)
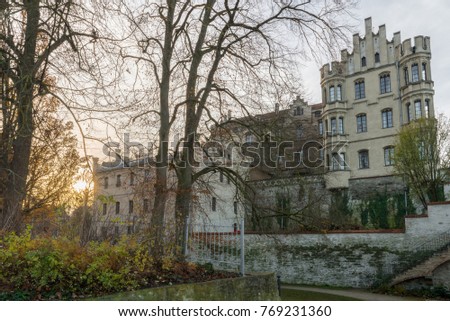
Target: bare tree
point(207, 57)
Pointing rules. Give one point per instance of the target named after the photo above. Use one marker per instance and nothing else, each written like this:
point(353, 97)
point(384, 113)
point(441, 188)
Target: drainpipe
point(397, 64)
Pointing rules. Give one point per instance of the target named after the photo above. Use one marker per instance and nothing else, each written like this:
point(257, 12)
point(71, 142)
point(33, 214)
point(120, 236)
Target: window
point(118, 180)
point(389, 156)
point(332, 94)
point(320, 128)
point(335, 162)
point(360, 89)
point(299, 131)
point(249, 138)
point(105, 182)
point(333, 126)
point(341, 125)
point(415, 73)
point(235, 207)
point(146, 205)
point(409, 112)
point(377, 57)
point(406, 75)
point(130, 229)
point(386, 118)
point(342, 161)
point(221, 177)
point(130, 207)
point(361, 123)
point(117, 207)
point(339, 92)
point(424, 71)
point(325, 95)
point(418, 108)
point(427, 108)
point(422, 150)
point(385, 83)
point(298, 111)
point(105, 208)
point(214, 204)
point(363, 62)
point(131, 179)
point(363, 159)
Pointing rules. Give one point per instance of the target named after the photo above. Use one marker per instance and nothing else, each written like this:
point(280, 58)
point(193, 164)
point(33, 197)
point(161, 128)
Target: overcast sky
point(412, 18)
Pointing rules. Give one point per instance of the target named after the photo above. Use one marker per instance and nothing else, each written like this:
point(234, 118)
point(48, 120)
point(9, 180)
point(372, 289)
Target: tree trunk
point(21, 146)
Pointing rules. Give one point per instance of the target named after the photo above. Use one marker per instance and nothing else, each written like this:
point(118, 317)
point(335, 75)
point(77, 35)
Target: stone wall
point(353, 259)
point(256, 287)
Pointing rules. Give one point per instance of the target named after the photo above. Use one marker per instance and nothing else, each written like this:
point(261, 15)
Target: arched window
point(377, 57)
point(363, 62)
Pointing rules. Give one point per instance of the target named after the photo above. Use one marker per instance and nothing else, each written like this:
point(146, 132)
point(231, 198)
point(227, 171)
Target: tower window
point(424, 71)
point(406, 75)
point(341, 125)
point(418, 108)
point(333, 126)
point(332, 94)
point(339, 92)
point(409, 112)
point(427, 108)
point(386, 118)
point(363, 62)
point(377, 57)
point(415, 73)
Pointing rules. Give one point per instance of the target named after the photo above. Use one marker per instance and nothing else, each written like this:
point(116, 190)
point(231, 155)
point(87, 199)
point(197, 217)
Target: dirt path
point(356, 294)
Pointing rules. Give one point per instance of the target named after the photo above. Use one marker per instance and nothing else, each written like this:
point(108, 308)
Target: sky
point(412, 18)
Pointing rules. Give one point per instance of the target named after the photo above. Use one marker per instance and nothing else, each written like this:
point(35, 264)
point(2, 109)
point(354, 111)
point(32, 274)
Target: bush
point(58, 268)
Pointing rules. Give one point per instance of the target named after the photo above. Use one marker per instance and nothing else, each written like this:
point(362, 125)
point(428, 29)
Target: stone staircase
point(424, 269)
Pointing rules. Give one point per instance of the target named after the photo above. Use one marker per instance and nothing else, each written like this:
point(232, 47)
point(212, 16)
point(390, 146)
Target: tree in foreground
point(422, 157)
point(212, 56)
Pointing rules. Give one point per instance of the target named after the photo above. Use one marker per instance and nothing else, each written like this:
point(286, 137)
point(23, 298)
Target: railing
point(220, 245)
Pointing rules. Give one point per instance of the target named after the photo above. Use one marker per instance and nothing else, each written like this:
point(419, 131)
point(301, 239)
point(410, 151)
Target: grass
point(300, 295)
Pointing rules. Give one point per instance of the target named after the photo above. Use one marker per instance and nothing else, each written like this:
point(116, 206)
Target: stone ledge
point(254, 287)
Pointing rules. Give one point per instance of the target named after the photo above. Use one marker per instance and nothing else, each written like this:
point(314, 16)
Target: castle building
point(367, 97)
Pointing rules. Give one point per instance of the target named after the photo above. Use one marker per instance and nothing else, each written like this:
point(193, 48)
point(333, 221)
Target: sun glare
point(80, 186)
